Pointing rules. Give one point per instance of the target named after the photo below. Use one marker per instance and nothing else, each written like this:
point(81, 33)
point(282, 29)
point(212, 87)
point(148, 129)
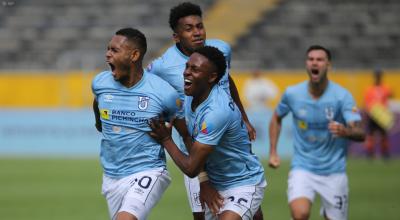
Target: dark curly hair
point(216, 57)
point(182, 10)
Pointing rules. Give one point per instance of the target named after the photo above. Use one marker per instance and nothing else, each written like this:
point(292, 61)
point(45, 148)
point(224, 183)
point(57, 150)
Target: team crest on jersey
point(143, 102)
point(104, 113)
point(329, 113)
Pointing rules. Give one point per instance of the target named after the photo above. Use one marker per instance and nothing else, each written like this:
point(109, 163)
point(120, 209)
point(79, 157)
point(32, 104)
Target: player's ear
point(135, 55)
point(213, 77)
point(175, 37)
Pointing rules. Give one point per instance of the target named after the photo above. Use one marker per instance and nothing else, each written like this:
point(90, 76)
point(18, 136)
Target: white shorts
point(193, 192)
point(243, 200)
point(333, 189)
point(136, 194)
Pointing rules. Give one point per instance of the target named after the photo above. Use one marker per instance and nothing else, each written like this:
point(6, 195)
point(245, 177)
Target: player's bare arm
point(180, 126)
point(352, 131)
point(192, 164)
point(274, 132)
point(97, 115)
point(235, 96)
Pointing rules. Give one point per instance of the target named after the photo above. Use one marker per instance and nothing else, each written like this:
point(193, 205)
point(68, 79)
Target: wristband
point(202, 177)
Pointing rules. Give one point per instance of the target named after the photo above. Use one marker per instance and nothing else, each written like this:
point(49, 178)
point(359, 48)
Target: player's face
point(198, 75)
point(317, 65)
point(190, 33)
point(118, 56)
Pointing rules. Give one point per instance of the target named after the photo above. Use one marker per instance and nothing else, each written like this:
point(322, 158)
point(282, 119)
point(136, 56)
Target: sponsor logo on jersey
point(143, 102)
point(302, 112)
point(302, 124)
point(104, 113)
point(108, 98)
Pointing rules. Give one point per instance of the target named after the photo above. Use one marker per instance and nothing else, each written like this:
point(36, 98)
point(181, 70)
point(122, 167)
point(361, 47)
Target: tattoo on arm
point(355, 131)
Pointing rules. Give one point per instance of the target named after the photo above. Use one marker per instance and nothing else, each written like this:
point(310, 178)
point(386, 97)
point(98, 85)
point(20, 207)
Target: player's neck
point(200, 98)
point(135, 75)
point(185, 51)
point(317, 89)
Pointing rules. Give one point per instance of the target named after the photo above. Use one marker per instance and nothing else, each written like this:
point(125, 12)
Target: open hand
point(211, 197)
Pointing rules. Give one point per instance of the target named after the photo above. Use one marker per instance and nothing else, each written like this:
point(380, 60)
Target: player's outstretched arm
point(235, 96)
point(274, 132)
point(97, 115)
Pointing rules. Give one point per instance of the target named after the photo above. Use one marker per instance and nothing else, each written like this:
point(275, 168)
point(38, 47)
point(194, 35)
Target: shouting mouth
point(188, 84)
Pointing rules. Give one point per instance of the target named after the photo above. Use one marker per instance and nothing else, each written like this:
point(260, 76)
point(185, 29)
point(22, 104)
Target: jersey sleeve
point(283, 107)
point(212, 127)
point(95, 84)
point(349, 109)
point(155, 66)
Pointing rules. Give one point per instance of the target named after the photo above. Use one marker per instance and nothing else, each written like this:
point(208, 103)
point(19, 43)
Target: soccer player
point(126, 97)
point(324, 118)
point(220, 139)
point(189, 33)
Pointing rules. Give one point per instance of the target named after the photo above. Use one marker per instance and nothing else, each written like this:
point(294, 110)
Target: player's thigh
point(114, 191)
point(193, 193)
point(229, 215)
point(334, 195)
point(145, 191)
point(300, 185)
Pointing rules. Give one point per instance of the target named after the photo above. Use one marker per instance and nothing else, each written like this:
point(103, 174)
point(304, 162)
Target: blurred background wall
point(50, 51)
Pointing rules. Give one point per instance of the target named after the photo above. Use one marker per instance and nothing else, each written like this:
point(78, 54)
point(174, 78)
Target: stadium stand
point(65, 35)
point(362, 34)
point(72, 35)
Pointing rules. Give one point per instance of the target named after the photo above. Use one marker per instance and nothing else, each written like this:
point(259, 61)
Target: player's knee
point(126, 216)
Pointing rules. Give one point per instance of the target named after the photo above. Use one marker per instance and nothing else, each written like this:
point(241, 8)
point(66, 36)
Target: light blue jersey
point(126, 146)
point(218, 122)
point(315, 149)
point(171, 65)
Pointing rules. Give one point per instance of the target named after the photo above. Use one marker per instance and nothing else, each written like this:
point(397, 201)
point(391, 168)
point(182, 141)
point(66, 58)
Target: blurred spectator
point(260, 91)
point(379, 117)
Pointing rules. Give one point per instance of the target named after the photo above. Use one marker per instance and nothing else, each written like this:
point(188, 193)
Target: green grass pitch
point(65, 189)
